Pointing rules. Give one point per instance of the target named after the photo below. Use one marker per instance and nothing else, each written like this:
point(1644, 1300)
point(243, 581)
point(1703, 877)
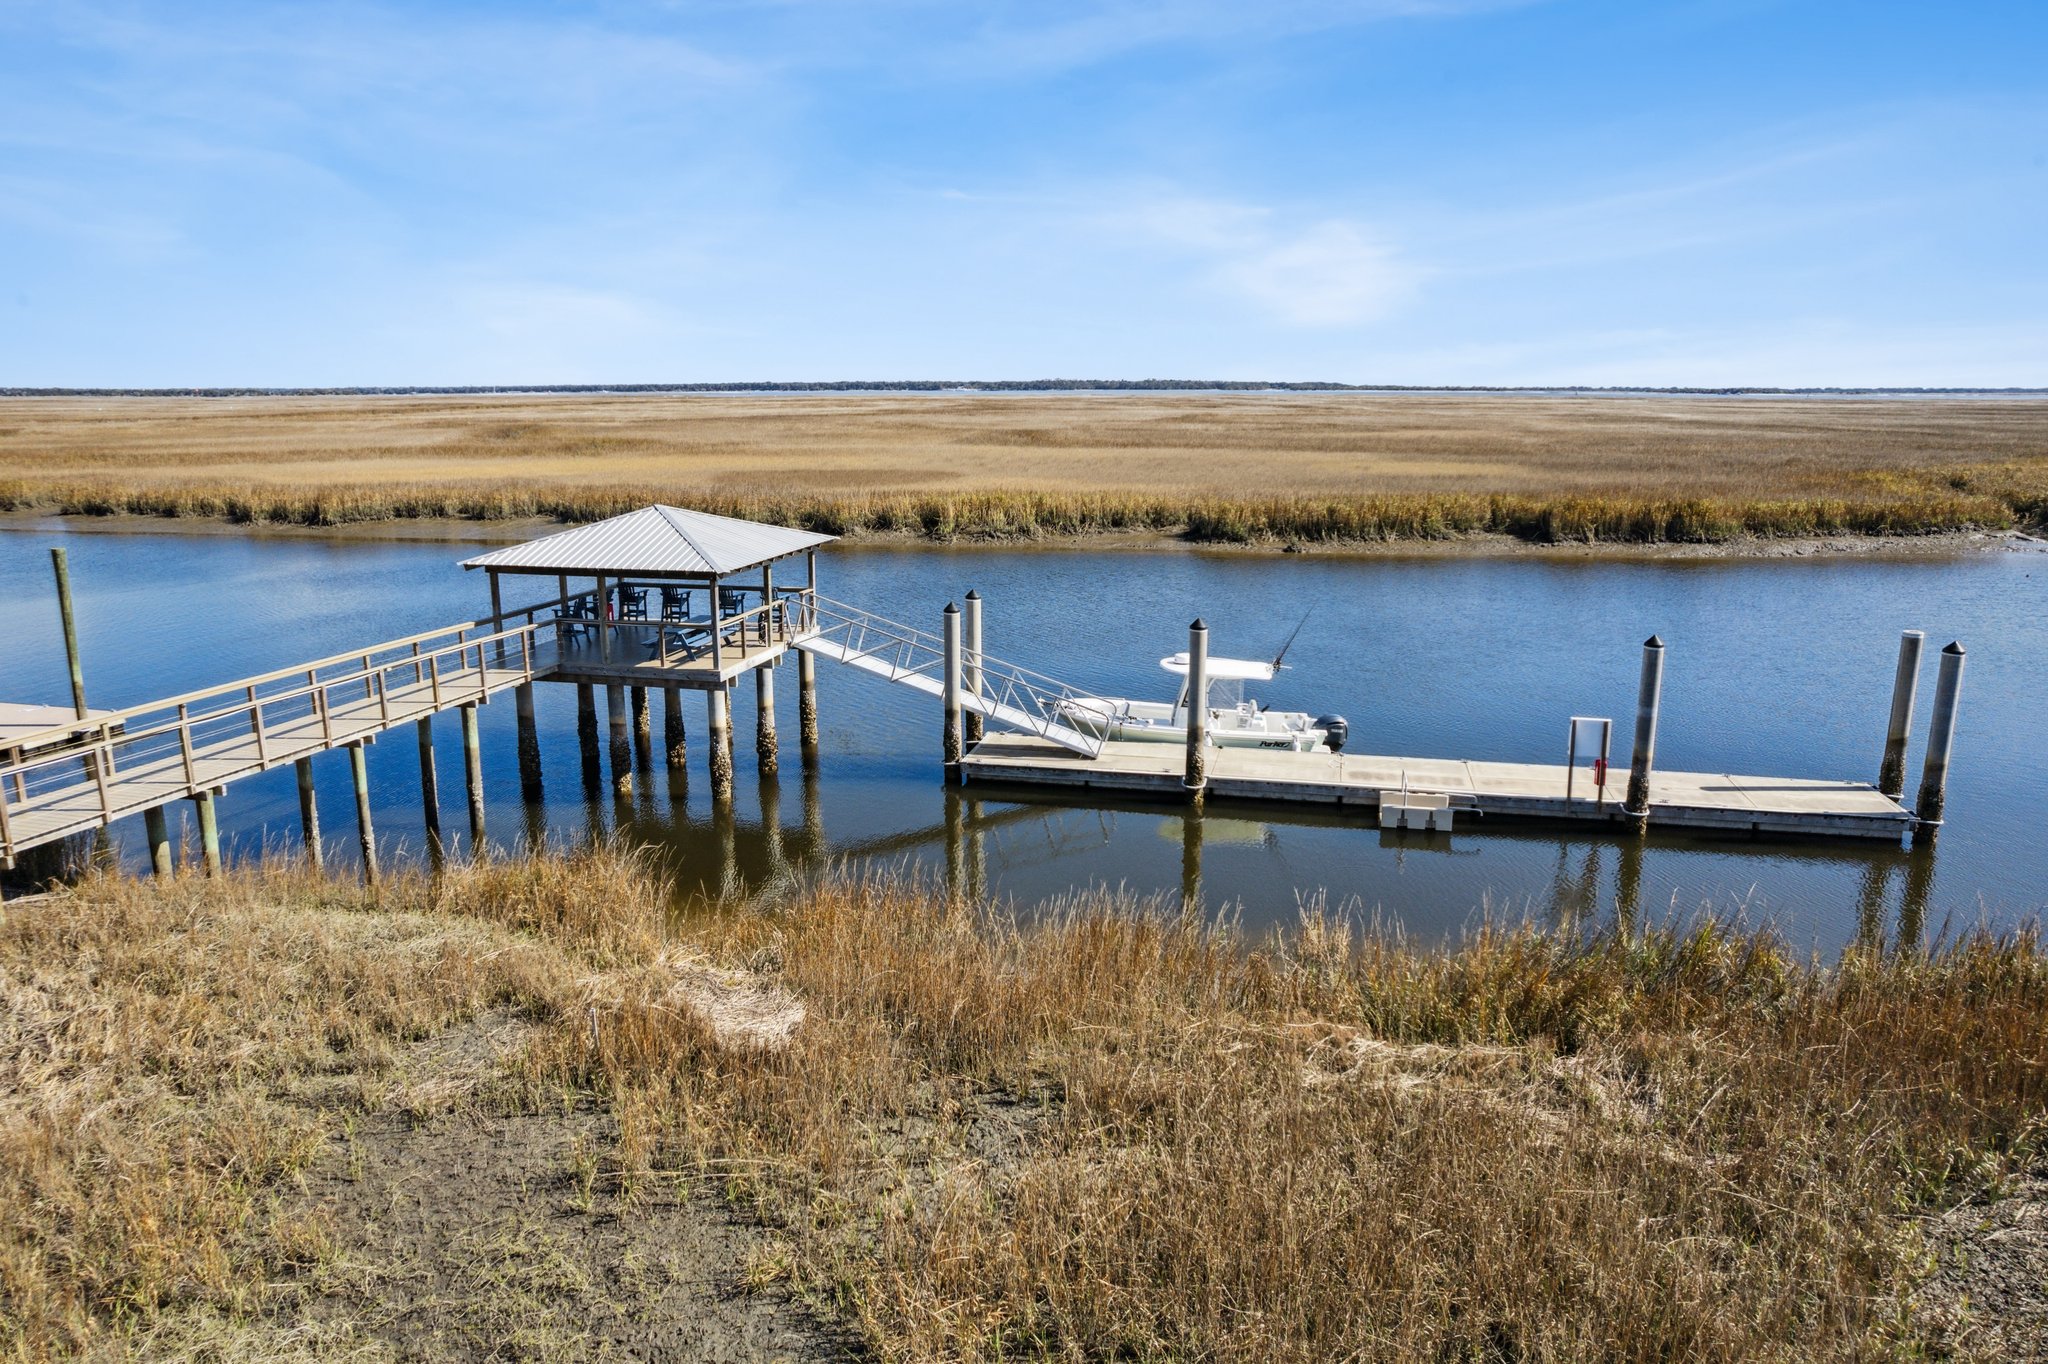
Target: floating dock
point(1686, 800)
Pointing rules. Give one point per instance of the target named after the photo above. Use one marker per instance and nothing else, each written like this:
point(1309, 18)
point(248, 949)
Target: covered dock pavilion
point(677, 600)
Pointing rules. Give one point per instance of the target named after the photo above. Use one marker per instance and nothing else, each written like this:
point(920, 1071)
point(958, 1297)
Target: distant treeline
point(968, 386)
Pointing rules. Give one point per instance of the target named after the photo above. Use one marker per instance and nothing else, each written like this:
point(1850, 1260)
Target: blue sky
point(1405, 191)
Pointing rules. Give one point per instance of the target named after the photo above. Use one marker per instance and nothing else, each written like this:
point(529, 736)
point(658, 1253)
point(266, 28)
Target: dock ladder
point(1008, 695)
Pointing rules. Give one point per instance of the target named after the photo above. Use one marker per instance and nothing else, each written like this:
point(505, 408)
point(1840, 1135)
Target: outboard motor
point(1335, 731)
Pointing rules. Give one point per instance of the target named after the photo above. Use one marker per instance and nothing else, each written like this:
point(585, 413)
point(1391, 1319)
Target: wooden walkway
point(1690, 800)
point(87, 774)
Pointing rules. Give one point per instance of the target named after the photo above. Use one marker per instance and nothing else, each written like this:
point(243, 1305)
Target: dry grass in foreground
point(1217, 468)
point(1105, 1133)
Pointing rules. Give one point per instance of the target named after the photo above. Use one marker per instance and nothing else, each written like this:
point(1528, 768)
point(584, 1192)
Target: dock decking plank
point(1701, 800)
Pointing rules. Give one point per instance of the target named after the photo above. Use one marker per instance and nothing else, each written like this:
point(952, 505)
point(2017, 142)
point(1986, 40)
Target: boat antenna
point(1290, 639)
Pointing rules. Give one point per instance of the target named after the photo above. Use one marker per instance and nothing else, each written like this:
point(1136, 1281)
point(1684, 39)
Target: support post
point(952, 740)
point(1649, 701)
point(721, 743)
point(62, 568)
point(764, 720)
point(157, 830)
point(209, 832)
point(430, 788)
point(366, 834)
point(1941, 734)
point(497, 615)
point(473, 781)
point(971, 679)
point(643, 728)
point(1891, 776)
point(602, 620)
point(674, 738)
point(586, 733)
point(1195, 779)
point(529, 741)
point(622, 741)
point(717, 630)
point(807, 706)
point(309, 812)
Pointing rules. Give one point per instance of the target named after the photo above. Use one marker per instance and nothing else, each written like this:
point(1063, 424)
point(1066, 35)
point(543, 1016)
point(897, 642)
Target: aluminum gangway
point(1005, 694)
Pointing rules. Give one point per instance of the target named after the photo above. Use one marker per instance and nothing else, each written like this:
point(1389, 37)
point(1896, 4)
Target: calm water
point(1779, 667)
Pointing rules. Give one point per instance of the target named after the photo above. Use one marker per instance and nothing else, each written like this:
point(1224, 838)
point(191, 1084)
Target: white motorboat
point(1235, 721)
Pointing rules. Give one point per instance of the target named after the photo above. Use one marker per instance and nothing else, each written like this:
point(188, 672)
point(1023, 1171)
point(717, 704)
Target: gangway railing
point(1005, 694)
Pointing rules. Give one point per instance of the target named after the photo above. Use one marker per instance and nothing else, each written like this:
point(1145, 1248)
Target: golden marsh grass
point(1105, 1132)
point(1231, 468)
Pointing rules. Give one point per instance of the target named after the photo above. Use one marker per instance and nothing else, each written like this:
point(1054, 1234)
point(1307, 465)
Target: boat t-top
point(1235, 721)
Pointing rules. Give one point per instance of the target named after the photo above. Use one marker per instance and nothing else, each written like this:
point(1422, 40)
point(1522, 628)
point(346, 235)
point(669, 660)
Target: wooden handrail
point(57, 733)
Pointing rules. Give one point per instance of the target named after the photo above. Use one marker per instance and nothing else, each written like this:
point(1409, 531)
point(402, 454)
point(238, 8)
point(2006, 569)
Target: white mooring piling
point(1891, 774)
point(1941, 734)
point(1649, 701)
point(971, 665)
point(954, 747)
point(1196, 778)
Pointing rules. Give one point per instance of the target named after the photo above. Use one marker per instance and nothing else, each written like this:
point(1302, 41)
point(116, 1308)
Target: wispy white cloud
point(1301, 271)
point(1035, 37)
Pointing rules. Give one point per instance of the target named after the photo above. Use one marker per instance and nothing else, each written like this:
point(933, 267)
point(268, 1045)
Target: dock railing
point(76, 776)
point(778, 620)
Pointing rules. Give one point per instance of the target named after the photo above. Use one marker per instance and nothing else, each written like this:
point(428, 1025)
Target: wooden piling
point(366, 834)
point(430, 788)
point(952, 747)
point(209, 832)
point(156, 829)
point(643, 728)
point(1891, 774)
point(971, 677)
point(529, 742)
point(586, 734)
point(1196, 777)
point(721, 743)
point(473, 780)
point(1642, 757)
point(674, 738)
point(764, 721)
point(61, 566)
point(309, 813)
point(1941, 734)
point(807, 707)
point(622, 741)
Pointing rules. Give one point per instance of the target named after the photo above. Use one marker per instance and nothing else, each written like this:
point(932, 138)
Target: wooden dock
point(1688, 800)
point(633, 632)
point(124, 762)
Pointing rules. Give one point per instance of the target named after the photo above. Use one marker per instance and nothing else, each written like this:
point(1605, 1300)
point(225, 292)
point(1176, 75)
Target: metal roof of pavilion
point(657, 539)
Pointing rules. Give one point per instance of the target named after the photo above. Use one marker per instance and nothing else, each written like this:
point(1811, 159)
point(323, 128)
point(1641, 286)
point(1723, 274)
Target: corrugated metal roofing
point(657, 539)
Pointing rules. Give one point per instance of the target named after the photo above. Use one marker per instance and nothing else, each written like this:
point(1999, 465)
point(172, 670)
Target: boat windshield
point(1225, 693)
